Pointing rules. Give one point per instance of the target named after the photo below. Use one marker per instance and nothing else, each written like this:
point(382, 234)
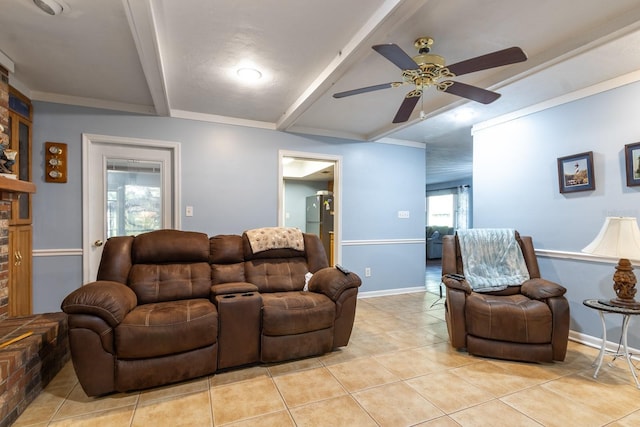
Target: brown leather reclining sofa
point(171, 305)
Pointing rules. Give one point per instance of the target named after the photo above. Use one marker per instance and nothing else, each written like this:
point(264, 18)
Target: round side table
point(604, 307)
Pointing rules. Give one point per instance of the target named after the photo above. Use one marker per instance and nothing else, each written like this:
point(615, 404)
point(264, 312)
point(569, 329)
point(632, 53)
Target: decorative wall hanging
point(55, 162)
point(575, 173)
point(632, 161)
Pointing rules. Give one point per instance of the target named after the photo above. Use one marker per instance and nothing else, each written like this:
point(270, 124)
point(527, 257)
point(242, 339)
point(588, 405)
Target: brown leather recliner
point(529, 322)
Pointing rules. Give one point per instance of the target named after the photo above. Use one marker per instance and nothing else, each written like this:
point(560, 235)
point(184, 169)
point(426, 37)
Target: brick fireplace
point(28, 364)
point(5, 206)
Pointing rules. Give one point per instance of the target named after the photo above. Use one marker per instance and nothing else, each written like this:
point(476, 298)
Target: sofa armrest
point(332, 282)
point(540, 289)
point(110, 301)
point(461, 285)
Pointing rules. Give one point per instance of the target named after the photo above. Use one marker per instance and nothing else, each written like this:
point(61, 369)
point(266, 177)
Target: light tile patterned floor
point(398, 370)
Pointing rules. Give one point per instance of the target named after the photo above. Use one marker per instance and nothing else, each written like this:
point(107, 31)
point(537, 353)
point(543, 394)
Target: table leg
point(625, 328)
point(600, 358)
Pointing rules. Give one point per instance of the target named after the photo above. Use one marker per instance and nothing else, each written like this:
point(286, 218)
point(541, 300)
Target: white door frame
point(337, 194)
point(89, 141)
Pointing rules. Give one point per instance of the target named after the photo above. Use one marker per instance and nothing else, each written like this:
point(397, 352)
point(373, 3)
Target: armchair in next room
point(434, 240)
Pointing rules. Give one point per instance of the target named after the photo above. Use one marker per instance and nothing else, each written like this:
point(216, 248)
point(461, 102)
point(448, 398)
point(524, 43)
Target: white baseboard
point(387, 292)
point(579, 337)
point(595, 342)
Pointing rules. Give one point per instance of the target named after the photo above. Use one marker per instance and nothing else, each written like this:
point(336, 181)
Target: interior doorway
point(310, 197)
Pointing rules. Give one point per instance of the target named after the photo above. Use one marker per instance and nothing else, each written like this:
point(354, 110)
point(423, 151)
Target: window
point(440, 210)
point(449, 207)
point(134, 200)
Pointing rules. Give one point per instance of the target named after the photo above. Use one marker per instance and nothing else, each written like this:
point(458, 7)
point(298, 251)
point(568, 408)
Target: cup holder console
point(239, 330)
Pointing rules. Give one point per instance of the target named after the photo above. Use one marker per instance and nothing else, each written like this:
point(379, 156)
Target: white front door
point(130, 186)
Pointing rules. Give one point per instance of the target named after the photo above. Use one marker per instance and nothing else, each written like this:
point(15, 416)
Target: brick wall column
point(5, 206)
point(4, 105)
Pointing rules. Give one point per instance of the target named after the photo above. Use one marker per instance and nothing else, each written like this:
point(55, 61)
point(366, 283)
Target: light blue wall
point(515, 184)
point(230, 177)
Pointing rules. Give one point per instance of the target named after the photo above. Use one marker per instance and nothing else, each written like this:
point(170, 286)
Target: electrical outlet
point(189, 211)
point(403, 214)
point(367, 272)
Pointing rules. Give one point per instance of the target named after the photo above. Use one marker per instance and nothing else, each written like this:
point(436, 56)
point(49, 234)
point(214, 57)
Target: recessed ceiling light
point(52, 7)
point(249, 74)
point(463, 115)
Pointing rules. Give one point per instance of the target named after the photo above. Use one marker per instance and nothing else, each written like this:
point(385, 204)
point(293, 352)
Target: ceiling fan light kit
point(426, 69)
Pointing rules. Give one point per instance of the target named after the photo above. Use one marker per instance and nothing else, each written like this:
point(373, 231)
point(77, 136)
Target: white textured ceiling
point(178, 58)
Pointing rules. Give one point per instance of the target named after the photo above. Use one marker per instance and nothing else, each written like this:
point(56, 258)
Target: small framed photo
point(632, 161)
point(575, 173)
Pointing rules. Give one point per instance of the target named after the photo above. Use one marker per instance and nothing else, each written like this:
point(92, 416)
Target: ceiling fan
point(426, 69)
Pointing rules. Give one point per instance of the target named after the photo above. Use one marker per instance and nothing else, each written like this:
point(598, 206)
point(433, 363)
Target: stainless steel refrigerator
point(320, 218)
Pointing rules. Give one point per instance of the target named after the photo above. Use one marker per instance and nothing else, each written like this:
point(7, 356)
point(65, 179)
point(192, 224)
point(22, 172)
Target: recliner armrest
point(540, 289)
point(461, 285)
point(110, 301)
point(332, 282)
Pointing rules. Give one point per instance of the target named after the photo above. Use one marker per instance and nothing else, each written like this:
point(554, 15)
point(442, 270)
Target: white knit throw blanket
point(263, 239)
point(492, 259)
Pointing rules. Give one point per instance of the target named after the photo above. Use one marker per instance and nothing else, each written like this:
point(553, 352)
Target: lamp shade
point(619, 237)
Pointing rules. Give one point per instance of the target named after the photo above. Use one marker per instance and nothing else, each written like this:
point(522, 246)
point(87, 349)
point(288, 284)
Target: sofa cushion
point(289, 313)
point(226, 258)
point(168, 282)
point(513, 318)
point(170, 246)
point(164, 328)
point(276, 275)
point(226, 249)
point(224, 273)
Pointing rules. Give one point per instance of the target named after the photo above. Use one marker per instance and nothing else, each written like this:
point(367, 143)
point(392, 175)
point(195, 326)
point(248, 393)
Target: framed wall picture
point(632, 161)
point(575, 173)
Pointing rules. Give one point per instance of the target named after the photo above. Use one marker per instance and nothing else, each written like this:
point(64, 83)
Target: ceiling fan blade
point(407, 106)
point(396, 55)
point(366, 89)
point(490, 60)
point(471, 92)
